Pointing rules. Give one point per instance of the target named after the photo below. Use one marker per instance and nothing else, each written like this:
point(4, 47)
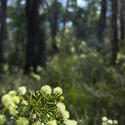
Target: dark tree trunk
point(64, 20)
point(115, 43)
point(54, 24)
point(3, 30)
point(102, 24)
point(36, 48)
point(122, 20)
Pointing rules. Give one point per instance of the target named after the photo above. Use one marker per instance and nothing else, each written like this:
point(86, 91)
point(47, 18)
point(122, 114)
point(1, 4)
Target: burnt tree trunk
point(102, 24)
point(3, 30)
point(115, 42)
point(36, 48)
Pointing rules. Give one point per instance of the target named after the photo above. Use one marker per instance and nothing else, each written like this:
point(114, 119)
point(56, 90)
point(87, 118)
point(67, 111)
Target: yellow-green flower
point(24, 102)
point(60, 107)
point(13, 111)
point(53, 122)
point(16, 99)
point(46, 89)
point(34, 116)
point(104, 118)
point(115, 122)
point(70, 122)
point(7, 101)
point(57, 91)
point(65, 115)
point(61, 98)
point(110, 121)
point(22, 90)
point(2, 119)
point(22, 121)
point(12, 93)
point(37, 123)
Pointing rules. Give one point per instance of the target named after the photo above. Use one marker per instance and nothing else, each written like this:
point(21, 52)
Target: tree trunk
point(36, 48)
point(122, 20)
point(3, 30)
point(54, 24)
point(115, 43)
point(102, 24)
point(64, 18)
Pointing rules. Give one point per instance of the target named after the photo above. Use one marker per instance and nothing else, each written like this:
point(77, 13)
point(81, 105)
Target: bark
point(36, 48)
point(3, 30)
point(115, 42)
point(54, 24)
point(102, 24)
point(122, 20)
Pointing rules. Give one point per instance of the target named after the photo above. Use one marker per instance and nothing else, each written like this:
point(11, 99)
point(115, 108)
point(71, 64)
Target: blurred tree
point(65, 15)
point(36, 48)
point(54, 10)
point(115, 42)
point(122, 19)
point(3, 30)
point(85, 19)
point(17, 33)
point(102, 24)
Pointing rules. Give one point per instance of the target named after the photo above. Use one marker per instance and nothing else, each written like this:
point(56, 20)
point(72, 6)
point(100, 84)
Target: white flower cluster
point(22, 90)
point(48, 91)
point(2, 119)
point(47, 99)
point(106, 121)
point(22, 121)
point(65, 114)
point(70, 122)
point(37, 123)
point(53, 122)
point(10, 102)
point(57, 91)
point(60, 106)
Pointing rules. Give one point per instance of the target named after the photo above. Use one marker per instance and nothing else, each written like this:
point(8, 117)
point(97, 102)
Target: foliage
point(91, 87)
